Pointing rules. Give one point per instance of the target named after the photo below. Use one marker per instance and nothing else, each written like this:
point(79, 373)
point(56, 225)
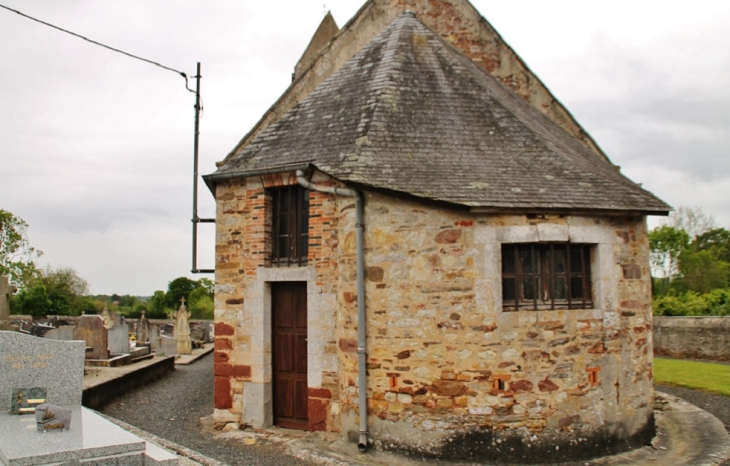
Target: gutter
point(361, 338)
point(215, 178)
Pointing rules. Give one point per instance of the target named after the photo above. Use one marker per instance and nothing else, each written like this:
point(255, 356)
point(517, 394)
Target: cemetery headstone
point(168, 346)
point(108, 322)
point(119, 337)
point(206, 328)
point(61, 333)
point(143, 330)
point(80, 435)
point(5, 291)
point(27, 361)
point(154, 338)
point(90, 328)
point(117, 319)
point(182, 329)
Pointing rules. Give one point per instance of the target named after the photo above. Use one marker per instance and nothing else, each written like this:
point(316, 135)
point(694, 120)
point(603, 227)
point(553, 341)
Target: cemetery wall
point(702, 337)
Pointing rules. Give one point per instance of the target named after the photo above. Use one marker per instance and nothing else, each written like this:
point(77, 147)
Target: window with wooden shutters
point(546, 276)
point(289, 225)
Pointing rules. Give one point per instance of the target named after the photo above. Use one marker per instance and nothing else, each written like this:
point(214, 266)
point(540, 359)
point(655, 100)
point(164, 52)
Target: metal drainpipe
point(362, 444)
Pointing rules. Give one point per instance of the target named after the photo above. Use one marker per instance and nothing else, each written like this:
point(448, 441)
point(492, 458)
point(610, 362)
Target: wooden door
point(289, 327)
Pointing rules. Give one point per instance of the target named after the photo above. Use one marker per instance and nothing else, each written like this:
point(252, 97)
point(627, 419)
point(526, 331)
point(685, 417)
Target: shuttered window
point(290, 225)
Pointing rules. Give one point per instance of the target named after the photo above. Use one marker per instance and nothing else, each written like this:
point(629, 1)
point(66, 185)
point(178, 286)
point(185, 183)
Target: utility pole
point(197, 219)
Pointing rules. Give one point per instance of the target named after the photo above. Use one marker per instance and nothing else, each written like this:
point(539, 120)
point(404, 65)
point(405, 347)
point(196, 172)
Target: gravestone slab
point(143, 330)
point(27, 361)
point(90, 328)
point(119, 338)
point(65, 333)
point(90, 437)
point(154, 338)
point(206, 326)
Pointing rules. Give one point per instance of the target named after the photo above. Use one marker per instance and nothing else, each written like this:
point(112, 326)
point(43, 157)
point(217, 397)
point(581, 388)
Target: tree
point(201, 303)
point(16, 254)
point(701, 272)
point(716, 241)
point(179, 288)
point(53, 291)
point(666, 243)
point(692, 220)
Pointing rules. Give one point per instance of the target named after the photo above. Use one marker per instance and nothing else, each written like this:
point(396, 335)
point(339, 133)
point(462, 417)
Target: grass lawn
point(691, 374)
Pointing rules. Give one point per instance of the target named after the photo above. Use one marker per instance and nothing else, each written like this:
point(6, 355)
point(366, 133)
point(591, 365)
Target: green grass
point(690, 374)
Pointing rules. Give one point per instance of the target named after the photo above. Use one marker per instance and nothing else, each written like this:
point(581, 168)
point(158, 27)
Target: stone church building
point(418, 247)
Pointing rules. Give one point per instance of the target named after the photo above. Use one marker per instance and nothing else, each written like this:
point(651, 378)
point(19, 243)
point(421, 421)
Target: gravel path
point(171, 408)
point(717, 405)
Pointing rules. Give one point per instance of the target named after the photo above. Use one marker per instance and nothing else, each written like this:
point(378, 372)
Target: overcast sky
point(96, 148)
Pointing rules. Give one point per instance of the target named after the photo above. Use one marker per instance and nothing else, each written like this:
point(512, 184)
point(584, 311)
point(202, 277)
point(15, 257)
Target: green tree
point(32, 300)
point(701, 272)
point(177, 289)
point(666, 243)
point(157, 302)
point(63, 288)
point(16, 254)
point(200, 304)
point(208, 285)
point(716, 241)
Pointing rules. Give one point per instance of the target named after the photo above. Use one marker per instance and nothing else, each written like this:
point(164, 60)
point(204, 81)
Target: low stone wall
point(692, 337)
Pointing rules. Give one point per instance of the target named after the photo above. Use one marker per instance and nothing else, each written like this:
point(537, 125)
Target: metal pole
point(195, 170)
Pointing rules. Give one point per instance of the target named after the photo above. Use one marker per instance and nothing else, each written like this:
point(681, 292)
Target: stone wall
point(439, 341)
point(242, 367)
point(692, 337)
point(449, 372)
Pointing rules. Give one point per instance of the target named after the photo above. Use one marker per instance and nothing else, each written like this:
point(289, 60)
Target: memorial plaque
point(25, 400)
point(49, 417)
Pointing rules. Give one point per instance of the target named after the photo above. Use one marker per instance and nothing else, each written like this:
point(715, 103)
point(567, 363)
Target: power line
point(102, 45)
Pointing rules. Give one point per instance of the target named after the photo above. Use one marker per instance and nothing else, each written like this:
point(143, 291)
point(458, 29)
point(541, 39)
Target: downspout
point(361, 341)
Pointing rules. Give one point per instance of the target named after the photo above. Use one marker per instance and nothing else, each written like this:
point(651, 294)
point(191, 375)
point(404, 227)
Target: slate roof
point(411, 114)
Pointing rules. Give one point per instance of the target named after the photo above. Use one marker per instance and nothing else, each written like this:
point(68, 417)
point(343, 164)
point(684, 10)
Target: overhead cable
point(102, 45)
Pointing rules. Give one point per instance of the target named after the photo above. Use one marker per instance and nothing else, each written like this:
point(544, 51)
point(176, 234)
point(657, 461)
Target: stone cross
point(6, 289)
point(182, 329)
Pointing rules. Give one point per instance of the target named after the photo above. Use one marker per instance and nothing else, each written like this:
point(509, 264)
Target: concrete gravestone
point(119, 336)
point(69, 433)
point(154, 338)
point(143, 330)
point(90, 328)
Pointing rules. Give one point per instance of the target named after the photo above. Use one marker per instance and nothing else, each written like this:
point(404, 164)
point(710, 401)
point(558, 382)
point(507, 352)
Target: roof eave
point(214, 178)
